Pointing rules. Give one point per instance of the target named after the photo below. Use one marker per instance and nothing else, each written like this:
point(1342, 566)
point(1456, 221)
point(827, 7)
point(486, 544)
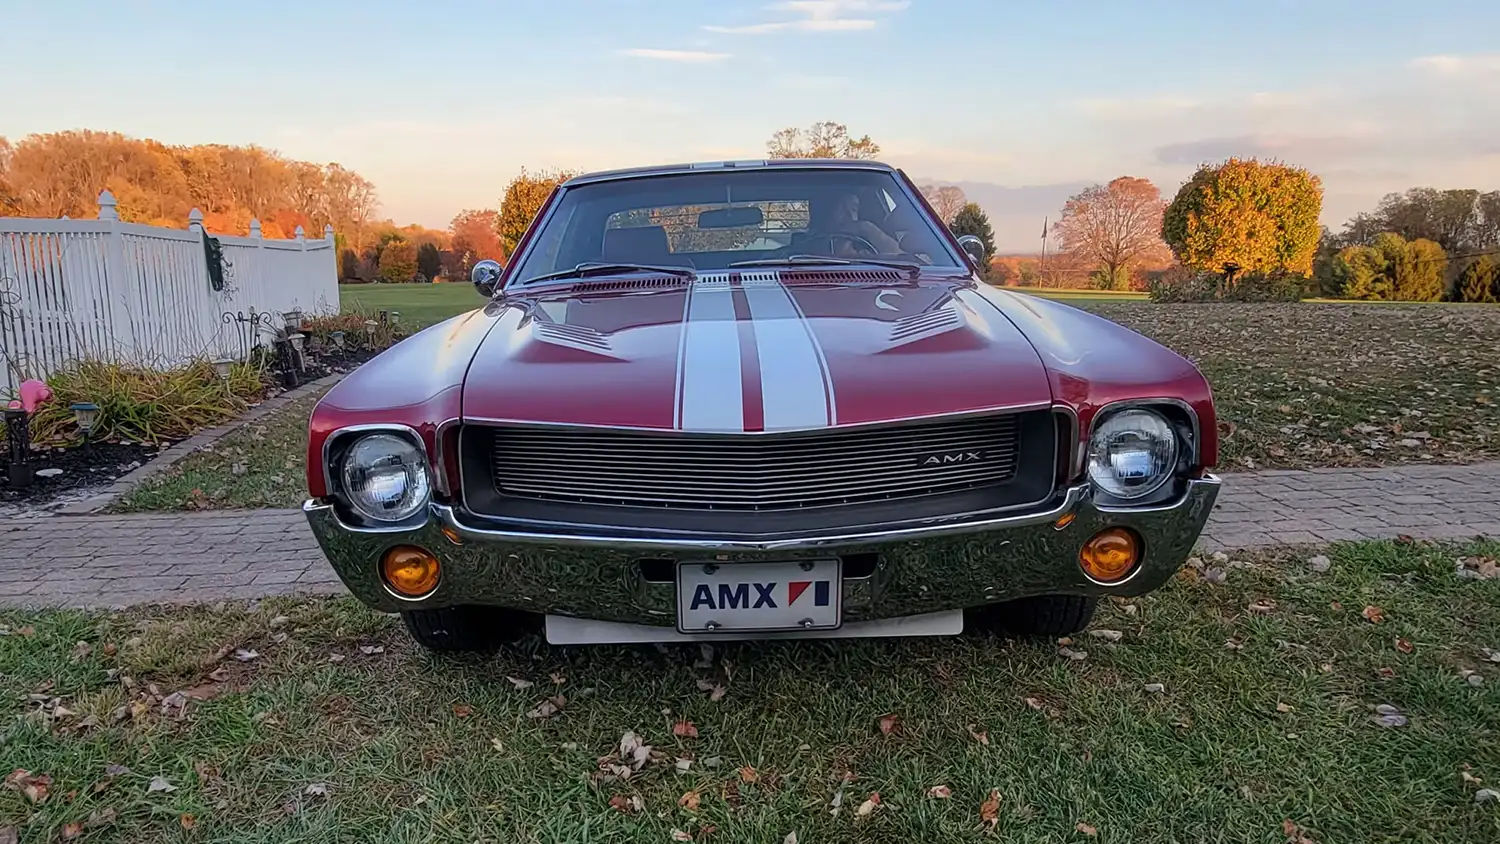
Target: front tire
point(1040, 615)
point(467, 628)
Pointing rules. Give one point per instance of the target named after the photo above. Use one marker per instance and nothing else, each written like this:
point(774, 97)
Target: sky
point(440, 103)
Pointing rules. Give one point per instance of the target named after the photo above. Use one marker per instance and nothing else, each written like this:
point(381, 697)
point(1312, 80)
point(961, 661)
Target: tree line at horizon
point(1256, 218)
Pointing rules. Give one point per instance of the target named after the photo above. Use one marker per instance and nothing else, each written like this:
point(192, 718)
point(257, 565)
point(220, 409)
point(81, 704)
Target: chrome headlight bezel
point(1162, 439)
point(343, 446)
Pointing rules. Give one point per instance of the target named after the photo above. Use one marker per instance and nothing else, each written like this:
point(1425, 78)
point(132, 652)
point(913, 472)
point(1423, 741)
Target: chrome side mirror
point(485, 274)
point(974, 248)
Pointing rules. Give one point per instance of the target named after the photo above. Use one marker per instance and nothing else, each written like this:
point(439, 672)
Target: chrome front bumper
point(929, 568)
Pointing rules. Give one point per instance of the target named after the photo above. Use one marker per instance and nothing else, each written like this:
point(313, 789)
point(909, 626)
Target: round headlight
point(1132, 453)
point(385, 478)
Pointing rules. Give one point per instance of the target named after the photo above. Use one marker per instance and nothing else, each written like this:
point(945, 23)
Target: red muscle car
point(756, 400)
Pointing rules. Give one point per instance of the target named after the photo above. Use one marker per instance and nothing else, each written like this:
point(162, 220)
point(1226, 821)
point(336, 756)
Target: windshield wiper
point(815, 260)
point(588, 268)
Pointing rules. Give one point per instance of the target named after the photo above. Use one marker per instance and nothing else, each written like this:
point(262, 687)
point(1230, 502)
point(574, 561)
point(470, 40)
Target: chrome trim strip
point(1075, 496)
point(437, 469)
point(566, 630)
point(1013, 408)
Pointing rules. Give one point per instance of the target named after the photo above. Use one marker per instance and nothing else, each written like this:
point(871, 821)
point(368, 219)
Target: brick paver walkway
point(123, 560)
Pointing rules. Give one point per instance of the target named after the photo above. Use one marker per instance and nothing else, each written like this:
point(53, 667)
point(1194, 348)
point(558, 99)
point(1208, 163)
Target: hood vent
point(616, 285)
point(843, 277)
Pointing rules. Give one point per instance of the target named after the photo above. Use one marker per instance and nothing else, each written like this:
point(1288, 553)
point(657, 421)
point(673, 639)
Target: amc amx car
point(756, 399)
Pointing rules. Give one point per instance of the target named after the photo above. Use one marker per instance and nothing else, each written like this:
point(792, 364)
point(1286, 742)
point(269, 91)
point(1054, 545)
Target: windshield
point(714, 220)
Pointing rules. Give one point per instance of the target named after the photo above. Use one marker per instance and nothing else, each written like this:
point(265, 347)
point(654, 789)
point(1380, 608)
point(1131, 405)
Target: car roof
point(751, 164)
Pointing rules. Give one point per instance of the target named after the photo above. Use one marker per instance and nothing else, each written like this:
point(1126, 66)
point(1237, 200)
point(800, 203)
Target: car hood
point(752, 351)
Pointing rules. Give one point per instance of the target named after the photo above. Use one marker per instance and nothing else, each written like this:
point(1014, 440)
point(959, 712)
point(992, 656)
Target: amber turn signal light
point(411, 572)
point(1111, 555)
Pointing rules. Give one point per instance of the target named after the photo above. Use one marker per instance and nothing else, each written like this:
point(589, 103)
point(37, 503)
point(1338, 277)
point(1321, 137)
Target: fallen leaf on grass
point(690, 801)
point(1155, 688)
point(1107, 635)
point(1086, 829)
point(187, 820)
point(558, 679)
point(10, 835)
point(1283, 707)
point(715, 691)
point(463, 710)
point(791, 838)
point(627, 805)
point(1319, 563)
point(1262, 607)
point(1034, 703)
point(889, 724)
point(70, 831)
point(1387, 715)
point(246, 655)
point(989, 810)
point(547, 708)
point(1373, 614)
point(160, 784)
point(679, 835)
point(940, 792)
point(1487, 795)
point(1070, 654)
point(34, 786)
point(113, 770)
point(1403, 646)
point(683, 765)
point(519, 683)
point(981, 736)
point(1294, 833)
point(685, 729)
point(868, 806)
point(749, 775)
point(371, 650)
point(317, 789)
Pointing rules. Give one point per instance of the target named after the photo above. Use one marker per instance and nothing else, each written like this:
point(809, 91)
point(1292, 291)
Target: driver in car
point(845, 220)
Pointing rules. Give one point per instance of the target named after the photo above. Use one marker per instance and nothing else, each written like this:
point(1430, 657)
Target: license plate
point(758, 596)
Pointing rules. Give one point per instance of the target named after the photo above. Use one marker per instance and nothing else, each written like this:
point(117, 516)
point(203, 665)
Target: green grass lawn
point(335, 727)
point(420, 305)
point(259, 465)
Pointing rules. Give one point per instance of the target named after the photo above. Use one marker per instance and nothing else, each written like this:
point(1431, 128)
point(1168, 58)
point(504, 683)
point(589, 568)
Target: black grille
point(756, 471)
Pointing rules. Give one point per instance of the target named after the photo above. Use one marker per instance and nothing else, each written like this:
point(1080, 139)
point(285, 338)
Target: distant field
point(420, 305)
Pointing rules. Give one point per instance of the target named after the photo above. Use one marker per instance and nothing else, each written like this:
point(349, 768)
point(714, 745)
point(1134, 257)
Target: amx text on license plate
point(755, 596)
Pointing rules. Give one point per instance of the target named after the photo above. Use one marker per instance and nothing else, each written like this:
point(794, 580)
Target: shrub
point(1479, 282)
point(319, 328)
point(1207, 287)
point(144, 405)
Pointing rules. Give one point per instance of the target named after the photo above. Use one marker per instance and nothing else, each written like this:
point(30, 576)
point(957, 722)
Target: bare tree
point(946, 200)
point(826, 139)
point(1113, 227)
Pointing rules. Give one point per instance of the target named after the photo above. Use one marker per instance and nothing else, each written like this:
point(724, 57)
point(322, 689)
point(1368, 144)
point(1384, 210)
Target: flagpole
point(1045, 221)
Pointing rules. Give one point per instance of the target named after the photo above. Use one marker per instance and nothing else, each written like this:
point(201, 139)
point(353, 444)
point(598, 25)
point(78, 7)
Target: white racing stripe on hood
point(710, 396)
point(795, 391)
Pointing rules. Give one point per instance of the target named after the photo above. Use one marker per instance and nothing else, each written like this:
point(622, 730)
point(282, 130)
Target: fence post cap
point(254, 227)
point(328, 231)
point(299, 233)
point(195, 220)
point(107, 206)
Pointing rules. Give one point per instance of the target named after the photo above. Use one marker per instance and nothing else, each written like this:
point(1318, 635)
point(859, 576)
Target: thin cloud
point(819, 16)
point(698, 56)
point(1458, 65)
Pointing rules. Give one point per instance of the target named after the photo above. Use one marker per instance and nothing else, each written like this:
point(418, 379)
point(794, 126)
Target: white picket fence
point(106, 289)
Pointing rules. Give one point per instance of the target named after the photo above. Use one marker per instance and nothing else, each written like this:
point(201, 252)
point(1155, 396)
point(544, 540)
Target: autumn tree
point(971, 219)
point(524, 198)
point(398, 262)
point(1454, 219)
point(1480, 281)
point(476, 237)
point(1392, 268)
point(1114, 227)
point(825, 139)
point(1260, 216)
point(946, 200)
point(348, 265)
point(429, 261)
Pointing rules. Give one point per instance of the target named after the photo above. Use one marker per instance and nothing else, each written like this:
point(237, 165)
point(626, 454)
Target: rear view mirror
point(974, 248)
point(485, 274)
point(731, 218)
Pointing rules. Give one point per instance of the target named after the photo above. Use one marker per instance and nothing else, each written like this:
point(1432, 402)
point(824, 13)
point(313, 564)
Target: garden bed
point(81, 472)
